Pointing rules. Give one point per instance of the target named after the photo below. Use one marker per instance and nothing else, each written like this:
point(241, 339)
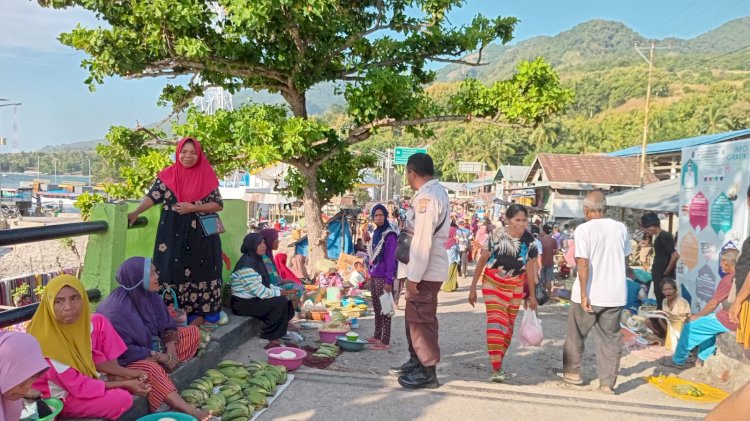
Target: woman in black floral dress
point(187, 260)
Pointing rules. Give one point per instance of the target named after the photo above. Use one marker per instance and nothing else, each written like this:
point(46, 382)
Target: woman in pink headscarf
point(21, 363)
point(188, 261)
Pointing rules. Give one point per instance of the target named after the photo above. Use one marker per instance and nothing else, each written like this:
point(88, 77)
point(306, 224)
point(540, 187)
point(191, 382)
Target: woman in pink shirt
point(62, 324)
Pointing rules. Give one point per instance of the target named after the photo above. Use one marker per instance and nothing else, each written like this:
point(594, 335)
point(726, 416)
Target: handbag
point(178, 315)
point(542, 296)
point(211, 224)
point(404, 242)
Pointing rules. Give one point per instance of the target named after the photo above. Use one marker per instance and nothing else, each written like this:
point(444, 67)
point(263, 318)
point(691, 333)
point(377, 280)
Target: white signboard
point(470, 167)
point(713, 214)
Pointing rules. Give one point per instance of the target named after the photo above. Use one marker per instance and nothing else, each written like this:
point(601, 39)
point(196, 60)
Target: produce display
point(327, 351)
point(234, 390)
point(687, 389)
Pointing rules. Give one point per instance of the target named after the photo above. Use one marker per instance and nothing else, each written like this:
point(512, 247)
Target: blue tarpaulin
point(339, 240)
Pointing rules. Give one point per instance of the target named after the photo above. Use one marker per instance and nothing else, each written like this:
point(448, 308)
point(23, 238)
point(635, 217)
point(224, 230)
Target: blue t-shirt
point(633, 302)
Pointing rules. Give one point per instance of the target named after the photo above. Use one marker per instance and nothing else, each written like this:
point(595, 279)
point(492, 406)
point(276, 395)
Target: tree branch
point(432, 57)
point(176, 66)
point(361, 133)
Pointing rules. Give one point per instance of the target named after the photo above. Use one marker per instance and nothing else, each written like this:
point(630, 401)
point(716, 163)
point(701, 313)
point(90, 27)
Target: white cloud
point(24, 25)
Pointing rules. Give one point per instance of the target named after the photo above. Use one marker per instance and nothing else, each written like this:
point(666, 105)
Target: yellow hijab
point(69, 344)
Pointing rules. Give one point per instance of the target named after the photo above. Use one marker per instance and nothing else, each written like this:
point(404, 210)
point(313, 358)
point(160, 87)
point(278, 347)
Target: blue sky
point(46, 77)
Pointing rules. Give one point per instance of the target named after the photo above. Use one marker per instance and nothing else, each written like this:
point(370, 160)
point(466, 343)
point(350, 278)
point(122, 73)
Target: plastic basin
point(177, 416)
point(56, 405)
point(350, 346)
point(290, 364)
point(329, 337)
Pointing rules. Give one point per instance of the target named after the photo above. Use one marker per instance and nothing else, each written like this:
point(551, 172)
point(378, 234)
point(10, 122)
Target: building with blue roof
point(665, 158)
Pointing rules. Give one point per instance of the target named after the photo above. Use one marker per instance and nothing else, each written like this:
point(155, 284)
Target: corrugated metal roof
point(592, 169)
point(663, 196)
point(512, 172)
point(677, 145)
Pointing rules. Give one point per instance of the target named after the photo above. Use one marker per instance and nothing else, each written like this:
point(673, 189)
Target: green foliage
point(20, 291)
point(68, 162)
point(85, 203)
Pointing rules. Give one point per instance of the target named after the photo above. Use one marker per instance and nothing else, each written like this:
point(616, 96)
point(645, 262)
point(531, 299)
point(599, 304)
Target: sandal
point(373, 340)
point(498, 376)
point(570, 380)
point(380, 346)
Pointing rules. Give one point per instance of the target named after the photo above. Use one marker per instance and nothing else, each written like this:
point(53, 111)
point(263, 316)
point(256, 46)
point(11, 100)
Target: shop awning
point(663, 196)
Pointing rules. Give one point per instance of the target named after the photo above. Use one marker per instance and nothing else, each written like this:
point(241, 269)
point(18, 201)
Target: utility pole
point(650, 61)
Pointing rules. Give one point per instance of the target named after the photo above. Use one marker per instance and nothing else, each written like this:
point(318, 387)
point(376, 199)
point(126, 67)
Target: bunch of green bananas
point(240, 410)
point(327, 351)
point(255, 365)
point(279, 373)
point(194, 397)
point(265, 384)
point(215, 404)
point(688, 389)
point(217, 378)
point(255, 397)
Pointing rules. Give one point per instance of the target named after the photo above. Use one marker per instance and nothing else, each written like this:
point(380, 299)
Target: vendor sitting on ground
point(254, 296)
point(636, 292)
point(674, 305)
point(703, 327)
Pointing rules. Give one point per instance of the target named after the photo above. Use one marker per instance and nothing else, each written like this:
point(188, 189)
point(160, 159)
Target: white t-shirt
point(605, 243)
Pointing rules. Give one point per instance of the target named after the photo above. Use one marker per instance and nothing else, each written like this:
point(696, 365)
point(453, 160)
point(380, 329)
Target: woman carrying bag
point(382, 252)
point(187, 252)
point(512, 264)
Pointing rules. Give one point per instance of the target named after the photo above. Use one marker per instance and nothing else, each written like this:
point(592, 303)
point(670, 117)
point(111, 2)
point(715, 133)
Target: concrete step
point(224, 340)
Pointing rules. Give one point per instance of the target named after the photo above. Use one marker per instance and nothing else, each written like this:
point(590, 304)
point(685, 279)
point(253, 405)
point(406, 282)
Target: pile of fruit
point(234, 390)
point(327, 351)
point(353, 306)
point(687, 389)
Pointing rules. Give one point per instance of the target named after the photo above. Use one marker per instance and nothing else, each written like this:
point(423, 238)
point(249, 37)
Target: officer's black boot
point(421, 378)
point(406, 368)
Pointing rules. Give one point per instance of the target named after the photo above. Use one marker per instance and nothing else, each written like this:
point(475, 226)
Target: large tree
point(377, 50)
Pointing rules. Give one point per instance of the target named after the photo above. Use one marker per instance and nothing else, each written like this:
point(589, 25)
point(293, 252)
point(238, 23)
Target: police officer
point(427, 268)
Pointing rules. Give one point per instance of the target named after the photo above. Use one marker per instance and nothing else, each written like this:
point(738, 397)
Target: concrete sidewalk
point(327, 395)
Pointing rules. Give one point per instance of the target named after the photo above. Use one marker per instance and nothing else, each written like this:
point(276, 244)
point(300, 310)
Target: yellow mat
point(687, 390)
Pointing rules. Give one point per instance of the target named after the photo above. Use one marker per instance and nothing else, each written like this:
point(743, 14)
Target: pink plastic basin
point(329, 337)
point(290, 364)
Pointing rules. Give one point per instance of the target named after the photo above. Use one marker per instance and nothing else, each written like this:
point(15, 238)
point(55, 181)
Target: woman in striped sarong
point(505, 270)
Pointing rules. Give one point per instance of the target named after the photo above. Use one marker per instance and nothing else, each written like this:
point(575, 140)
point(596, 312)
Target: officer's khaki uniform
point(428, 266)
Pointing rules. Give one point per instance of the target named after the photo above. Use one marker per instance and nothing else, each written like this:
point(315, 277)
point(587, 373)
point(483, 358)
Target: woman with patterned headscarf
point(382, 252)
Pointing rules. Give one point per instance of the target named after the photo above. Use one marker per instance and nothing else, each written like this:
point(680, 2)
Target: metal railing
point(22, 314)
point(51, 232)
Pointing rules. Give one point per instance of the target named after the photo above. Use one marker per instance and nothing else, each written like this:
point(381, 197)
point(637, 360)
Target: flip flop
point(373, 340)
point(568, 380)
point(380, 347)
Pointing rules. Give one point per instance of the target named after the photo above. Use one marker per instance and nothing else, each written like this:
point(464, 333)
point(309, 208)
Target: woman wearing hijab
point(454, 259)
point(253, 294)
point(21, 363)
point(285, 273)
point(63, 326)
point(187, 261)
point(382, 251)
point(271, 238)
point(153, 344)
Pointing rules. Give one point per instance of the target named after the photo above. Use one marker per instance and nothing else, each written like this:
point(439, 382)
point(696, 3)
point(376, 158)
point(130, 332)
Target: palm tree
point(546, 134)
point(716, 120)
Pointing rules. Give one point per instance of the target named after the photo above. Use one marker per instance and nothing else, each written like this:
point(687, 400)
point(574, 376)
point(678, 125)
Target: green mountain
point(597, 60)
point(596, 45)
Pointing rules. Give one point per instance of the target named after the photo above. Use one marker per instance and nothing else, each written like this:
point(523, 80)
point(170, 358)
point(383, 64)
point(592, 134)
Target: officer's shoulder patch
point(422, 205)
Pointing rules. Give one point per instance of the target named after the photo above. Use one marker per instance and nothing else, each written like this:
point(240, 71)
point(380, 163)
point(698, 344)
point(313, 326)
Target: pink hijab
point(190, 184)
point(20, 358)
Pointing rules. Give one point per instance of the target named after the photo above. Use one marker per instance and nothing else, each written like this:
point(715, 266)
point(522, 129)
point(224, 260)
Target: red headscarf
point(285, 273)
point(190, 184)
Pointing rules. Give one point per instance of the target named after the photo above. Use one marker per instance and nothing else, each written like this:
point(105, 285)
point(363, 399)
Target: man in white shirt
point(425, 273)
point(600, 291)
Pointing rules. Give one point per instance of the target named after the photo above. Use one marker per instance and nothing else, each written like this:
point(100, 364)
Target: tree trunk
point(316, 232)
point(296, 101)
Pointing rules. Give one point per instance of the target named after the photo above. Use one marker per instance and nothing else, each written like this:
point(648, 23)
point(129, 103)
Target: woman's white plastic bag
point(531, 329)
